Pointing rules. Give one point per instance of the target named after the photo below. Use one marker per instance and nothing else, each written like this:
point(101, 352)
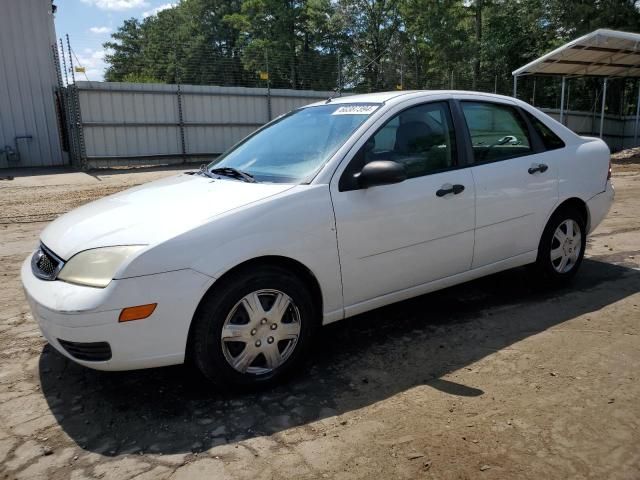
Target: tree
point(442, 31)
point(479, 4)
point(189, 43)
point(361, 45)
point(372, 27)
point(125, 55)
point(287, 38)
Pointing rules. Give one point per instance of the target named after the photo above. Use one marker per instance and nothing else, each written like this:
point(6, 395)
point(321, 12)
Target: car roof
point(378, 97)
point(393, 96)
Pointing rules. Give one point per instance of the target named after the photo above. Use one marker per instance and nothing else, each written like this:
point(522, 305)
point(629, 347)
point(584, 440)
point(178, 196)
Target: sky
point(90, 23)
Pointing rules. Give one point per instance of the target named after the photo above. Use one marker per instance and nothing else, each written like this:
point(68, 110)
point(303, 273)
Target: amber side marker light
point(136, 313)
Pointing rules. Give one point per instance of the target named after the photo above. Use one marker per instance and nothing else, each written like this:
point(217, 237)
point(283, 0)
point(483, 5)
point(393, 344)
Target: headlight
point(96, 267)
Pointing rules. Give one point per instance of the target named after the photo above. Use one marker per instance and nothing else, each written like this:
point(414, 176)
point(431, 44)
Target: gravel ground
point(492, 379)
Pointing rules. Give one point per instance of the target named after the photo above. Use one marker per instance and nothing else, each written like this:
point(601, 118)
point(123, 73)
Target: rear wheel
point(562, 246)
point(254, 329)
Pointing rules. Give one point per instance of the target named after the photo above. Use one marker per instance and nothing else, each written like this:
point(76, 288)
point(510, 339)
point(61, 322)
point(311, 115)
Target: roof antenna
point(336, 93)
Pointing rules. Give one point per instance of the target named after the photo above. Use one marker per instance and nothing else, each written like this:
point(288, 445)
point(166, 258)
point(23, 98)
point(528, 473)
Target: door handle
point(541, 167)
point(448, 188)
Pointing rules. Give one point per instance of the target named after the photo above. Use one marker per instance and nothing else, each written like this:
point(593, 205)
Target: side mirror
point(381, 172)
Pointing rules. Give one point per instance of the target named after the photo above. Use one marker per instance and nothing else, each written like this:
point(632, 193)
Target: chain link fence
point(266, 74)
point(196, 63)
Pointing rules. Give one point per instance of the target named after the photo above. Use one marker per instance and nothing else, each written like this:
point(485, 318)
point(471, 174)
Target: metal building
point(29, 132)
point(603, 53)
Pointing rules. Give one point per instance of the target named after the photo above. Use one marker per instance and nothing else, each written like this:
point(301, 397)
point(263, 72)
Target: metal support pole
point(71, 69)
point(515, 86)
point(183, 143)
point(635, 129)
point(64, 64)
point(269, 114)
point(80, 151)
point(68, 110)
point(533, 97)
point(562, 102)
point(604, 101)
point(339, 75)
point(61, 114)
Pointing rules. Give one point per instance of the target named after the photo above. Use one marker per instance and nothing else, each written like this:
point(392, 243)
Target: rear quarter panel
point(583, 164)
point(583, 170)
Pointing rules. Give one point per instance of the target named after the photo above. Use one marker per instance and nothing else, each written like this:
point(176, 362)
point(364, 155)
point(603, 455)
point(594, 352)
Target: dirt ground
point(491, 380)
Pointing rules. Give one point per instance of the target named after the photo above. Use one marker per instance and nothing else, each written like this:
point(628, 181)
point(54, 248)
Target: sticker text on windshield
point(355, 110)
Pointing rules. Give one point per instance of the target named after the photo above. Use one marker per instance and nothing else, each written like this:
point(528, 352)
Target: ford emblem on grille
point(45, 264)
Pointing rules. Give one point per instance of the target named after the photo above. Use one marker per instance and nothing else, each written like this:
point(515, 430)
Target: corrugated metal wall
point(619, 132)
point(129, 123)
point(124, 124)
point(27, 85)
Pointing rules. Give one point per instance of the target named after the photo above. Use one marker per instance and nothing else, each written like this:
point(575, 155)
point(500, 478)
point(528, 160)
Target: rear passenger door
point(516, 180)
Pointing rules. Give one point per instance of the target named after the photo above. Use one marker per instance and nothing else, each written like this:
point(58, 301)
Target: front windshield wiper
point(226, 171)
point(203, 171)
point(232, 172)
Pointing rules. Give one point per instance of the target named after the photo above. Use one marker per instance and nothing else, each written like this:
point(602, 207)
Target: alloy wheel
point(261, 332)
point(566, 245)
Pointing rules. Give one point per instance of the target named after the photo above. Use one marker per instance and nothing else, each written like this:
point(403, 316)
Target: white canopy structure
point(602, 53)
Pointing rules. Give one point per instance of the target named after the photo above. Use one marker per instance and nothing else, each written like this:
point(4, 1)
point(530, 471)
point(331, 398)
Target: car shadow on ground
point(357, 362)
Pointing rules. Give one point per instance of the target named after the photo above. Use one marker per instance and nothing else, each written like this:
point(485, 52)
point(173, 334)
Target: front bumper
point(79, 314)
point(599, 206)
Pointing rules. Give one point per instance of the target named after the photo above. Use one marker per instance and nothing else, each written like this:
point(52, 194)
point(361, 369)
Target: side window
point(421, 138)
point(550, 140)
point(497, 131)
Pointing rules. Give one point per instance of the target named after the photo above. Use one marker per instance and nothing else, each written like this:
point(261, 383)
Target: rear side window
point(497, 131)
point(550, 140)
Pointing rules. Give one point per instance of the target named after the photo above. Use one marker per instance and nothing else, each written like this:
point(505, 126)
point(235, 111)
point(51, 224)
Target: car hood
point(151, 213)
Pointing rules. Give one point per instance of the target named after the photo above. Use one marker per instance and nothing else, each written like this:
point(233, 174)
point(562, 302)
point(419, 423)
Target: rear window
point(550, 140)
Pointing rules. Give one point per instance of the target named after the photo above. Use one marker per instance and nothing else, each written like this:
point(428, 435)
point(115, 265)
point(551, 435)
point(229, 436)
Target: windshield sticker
point(356, 110)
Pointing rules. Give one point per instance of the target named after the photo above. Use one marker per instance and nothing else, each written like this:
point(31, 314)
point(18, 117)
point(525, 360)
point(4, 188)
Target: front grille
point(45, 264)
point(90, 352)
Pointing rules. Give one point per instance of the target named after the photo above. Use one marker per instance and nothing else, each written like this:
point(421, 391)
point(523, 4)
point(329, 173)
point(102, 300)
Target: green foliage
point(358, 45)
point(287, 38)
point(135, 77)
point(126, 57)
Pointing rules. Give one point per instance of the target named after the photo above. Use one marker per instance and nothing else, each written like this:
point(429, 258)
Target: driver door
point(395, 239)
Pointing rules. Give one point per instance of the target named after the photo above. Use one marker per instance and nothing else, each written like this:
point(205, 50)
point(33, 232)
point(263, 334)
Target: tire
point(268, 319)
point(559, 260)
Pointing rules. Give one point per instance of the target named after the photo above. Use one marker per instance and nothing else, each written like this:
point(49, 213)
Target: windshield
point(293, 148)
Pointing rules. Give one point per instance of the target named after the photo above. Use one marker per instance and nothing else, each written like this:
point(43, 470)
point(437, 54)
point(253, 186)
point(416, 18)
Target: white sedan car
point(331, 210)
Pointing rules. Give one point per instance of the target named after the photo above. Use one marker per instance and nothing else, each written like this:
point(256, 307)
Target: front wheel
point(254, 329)
point(562, 246)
